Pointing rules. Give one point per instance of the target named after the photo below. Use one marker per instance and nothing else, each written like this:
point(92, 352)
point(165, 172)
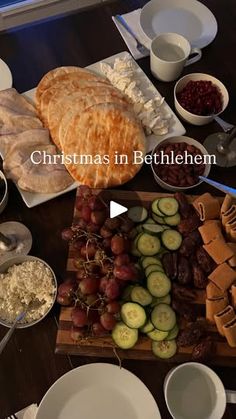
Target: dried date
point(200, 279)
point(195, 236)
point(184, 205)
point(188, 225)
point(191, 335)
point(204, 350)
point(184, 271)
point(204, 260)
point(183, 293)
point(187, 247)
point(185, 310)
point(169, 261)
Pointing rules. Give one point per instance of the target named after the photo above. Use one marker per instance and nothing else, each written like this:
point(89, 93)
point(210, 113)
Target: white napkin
point(27, 413)
point(133, 20)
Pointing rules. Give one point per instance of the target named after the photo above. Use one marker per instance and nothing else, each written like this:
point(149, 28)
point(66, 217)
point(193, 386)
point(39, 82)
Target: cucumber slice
point(123, 336)
point(158, 219)
point(148, 245)
point(141, 296)
point(134, 249)
point(165, 300)
point(126, 295)
point(163, 317)
point(173, 220)
point(171, 239)
point(152, 228)
point(137, 214)
point(157, 335)
point(168, 206)
point(133, 315)
point(173, 333)
point(148, 327)
point(149, 221)
point(165, 349)
point(158, 284)
point(153, 268)
point(150, 260)
point(155, 208)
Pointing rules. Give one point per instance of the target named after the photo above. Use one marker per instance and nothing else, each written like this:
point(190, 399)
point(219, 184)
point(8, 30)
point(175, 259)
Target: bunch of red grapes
point(103, 266)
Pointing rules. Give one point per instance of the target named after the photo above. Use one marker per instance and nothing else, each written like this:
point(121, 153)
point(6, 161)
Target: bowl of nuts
point(199, 97)
point(177, 163)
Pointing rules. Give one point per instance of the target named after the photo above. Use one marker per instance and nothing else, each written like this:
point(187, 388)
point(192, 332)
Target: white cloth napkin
point(133, 20)
point(27, 413)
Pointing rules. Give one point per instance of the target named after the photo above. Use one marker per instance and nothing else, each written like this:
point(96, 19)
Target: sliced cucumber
point(158, 219)
point(171, 239)
point(155, 208)
point(148, 327)
point(158, 284)
point(173, 333)
point(126, 295)
point(165, 300)
point(150, 260)
point(173, 220)
point(153, 268)
point(152, 228)
point(134, 249)
point(124, 336)
point(133, 315)
point(157, 335)
point(149, 221)
point(137, 214)
point(163, 317)
point(165, 349)
point(141, 296)
point(168, 206)
point(148, 245)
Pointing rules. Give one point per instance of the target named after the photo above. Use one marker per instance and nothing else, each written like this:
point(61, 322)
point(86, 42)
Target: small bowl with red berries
point(199, 97)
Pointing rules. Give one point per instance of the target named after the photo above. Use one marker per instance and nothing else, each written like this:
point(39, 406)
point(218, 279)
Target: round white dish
point(16, 261)
point(5, 76)
point(181, 139)
point(189, 18)
point(191, 117)
point(98, 391)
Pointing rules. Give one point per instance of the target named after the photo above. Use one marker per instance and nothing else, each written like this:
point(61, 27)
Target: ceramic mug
point(169, 55)
point(193, 390)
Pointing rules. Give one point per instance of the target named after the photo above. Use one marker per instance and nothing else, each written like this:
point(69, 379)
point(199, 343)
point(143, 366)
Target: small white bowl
point(191, 117)
point(181, 139)
point(17, 261)
point(4, 200)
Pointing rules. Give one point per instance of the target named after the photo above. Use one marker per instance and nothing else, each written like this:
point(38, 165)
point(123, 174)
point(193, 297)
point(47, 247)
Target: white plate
point(176, 128)
point(98, 391)
point(5, 76)
point(189, 18)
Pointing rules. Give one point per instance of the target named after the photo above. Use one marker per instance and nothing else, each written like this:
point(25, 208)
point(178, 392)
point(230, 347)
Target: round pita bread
point(103, 130)
point(49, 78)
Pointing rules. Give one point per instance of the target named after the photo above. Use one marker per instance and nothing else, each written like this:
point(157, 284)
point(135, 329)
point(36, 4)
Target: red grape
point(98, 329)
point(103, 284)
point(113, 307)
point(112, 290)
point(86, 213)
point(122, 259)
point(67, 234)
point(105, 232)
point(118, 244)
point(81, 274)
point(77, 333)
point(77, 244)
point(107, 243)
point(92, 299)
point(108, 321)
point(92, 228)
point(66, 289)
point(79, 317)
point(95, 203)
point(89, 285)
point(82, 224)
point(112, 223)
point(98, 217)
point(85, 191)
point(79, 202)
point(126, 225)
point(88, 251)
point(64, 300)
point(106, 267)
point(126, 272)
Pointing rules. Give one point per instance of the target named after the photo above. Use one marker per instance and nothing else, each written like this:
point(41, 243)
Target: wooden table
point(28, 366)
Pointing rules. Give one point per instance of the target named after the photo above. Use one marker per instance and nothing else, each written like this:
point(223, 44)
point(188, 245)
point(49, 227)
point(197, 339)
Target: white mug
point(169, 55)
point(193, 390)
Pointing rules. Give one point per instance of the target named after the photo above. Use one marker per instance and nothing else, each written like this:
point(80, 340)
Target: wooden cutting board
point(104, 347)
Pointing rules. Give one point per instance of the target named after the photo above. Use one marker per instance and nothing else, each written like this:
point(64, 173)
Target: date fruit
point(184, 271)
point(191, 335)
point(204, 350)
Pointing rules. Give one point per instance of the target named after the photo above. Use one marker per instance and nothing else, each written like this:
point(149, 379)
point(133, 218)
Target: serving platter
point(176, 127)
point(104, 346)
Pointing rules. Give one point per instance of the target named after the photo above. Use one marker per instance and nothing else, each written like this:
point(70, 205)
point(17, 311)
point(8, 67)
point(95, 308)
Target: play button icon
point(116, 209)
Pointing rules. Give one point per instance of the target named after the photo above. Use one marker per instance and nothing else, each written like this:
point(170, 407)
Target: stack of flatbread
point(87, 116)
point(22, 133)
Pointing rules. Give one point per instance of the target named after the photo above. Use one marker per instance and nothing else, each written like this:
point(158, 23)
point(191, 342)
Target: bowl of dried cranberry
point(177, 163)
point(199, 97)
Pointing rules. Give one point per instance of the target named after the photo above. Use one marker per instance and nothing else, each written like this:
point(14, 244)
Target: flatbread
point(10, 98)
point(49, 78)
point(104, 130)
point(32, 136)
point(12, 122)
